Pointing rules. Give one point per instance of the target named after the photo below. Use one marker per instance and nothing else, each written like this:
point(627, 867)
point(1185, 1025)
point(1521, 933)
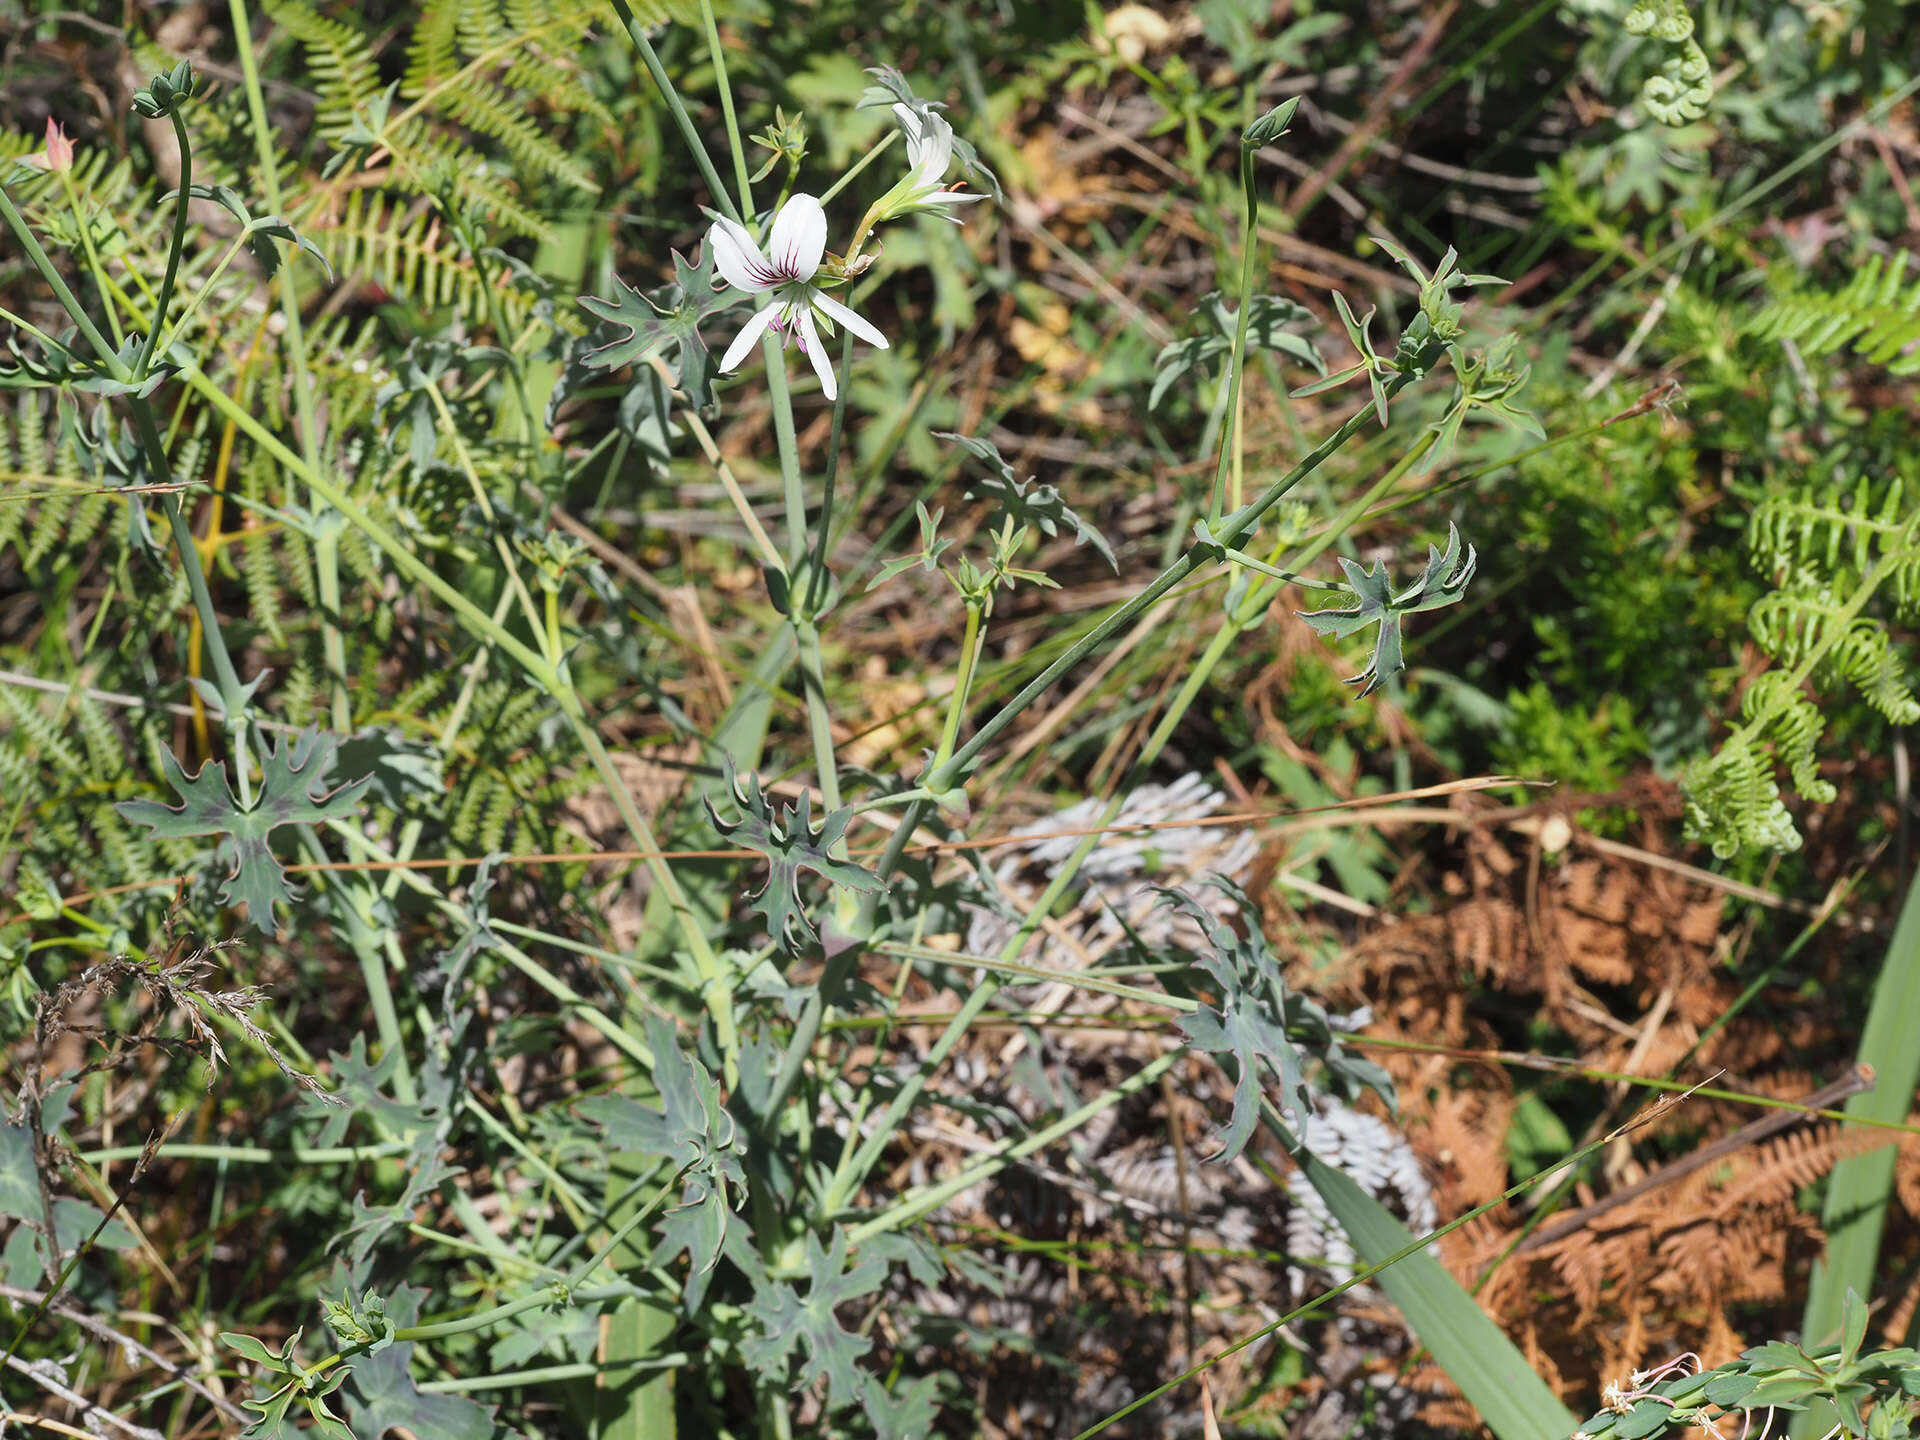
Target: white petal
point(799, 237)
point(736, 257)
point(836, 311)
point(938, 151)
point(816, 351)
point(749, 332)
point(910, 131)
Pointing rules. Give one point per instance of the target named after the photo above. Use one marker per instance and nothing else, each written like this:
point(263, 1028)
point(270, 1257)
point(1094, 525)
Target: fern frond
point(494, 112)
point(257, 564)
point(515, 46)
point(1810, 526)
point(1864, 656)
point(1780, 713)
point(1876, 314)
point(42, 735)
point(339, 58)
point(411, 255)
point(1733, 804)
point(1792, 624)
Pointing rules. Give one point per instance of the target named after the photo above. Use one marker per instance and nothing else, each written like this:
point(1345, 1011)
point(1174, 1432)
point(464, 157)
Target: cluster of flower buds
point(165, 94)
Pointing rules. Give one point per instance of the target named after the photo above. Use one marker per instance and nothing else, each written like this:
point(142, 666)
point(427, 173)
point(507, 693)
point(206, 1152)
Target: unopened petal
point(799, 238)
point(910, 131)
point(834, 310)
point(736, 257)
point(749, 332)
point(936, 150)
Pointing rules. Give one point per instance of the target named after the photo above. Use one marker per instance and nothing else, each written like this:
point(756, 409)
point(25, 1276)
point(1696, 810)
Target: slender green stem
point(664, 84)
point(1240, 557)
point(887, 802)
point(363, 938)
point(76, 312)
point(793, 488)
point(466, 1325)
point(813, 684)
point(529, 612)
point(94, 267)
point(476, 620)
point(962, 685)
point(1232, 445)
point(916, 1203)
point(716, 984)
point(854, 169)
point(200, 294)
point(1467, 477)
point(544, 1374)
point(258, 1154)
point(497, 318)
point(769, 552)
point(174, 246)
point(817, 582)
point(719, 58)
point(326, 541)
point(20, 322)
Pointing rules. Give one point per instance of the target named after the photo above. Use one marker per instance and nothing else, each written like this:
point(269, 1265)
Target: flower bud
point(166, 93)
point(59, 152)
point(1270, 126)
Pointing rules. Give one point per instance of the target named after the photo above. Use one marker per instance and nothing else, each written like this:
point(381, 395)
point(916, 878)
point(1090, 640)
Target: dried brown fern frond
point(1771, 1173)
point(1466, 1131)
point(1664, 1266)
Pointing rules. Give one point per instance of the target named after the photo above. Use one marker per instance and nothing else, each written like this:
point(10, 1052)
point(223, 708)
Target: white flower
point(784, 274)
point(929, 152)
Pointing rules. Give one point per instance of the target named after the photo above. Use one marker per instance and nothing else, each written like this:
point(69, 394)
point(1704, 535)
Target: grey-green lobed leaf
point(380, 1394)
point(1267, 319)
point(1260, 1025)
point(294, 776)
point(1442, 582)
point(788, 839)
point(665, 320)
point(1026, 503)
point(787, 1321)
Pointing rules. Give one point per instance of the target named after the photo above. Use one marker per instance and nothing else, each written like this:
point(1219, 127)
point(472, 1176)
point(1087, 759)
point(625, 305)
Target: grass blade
point(1495, 1378)
point(1861, 1186)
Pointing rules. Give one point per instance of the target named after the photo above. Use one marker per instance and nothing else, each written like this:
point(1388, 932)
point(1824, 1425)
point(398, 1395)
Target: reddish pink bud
point(59, 152)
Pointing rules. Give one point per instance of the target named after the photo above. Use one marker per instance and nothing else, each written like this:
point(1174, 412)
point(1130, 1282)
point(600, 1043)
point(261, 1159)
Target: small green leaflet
point(1040, 507)
point(381, 1394)
point(667, 319)
point(791, 844)
point(259, 231)
point(293, 781)
point(1441, 583)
